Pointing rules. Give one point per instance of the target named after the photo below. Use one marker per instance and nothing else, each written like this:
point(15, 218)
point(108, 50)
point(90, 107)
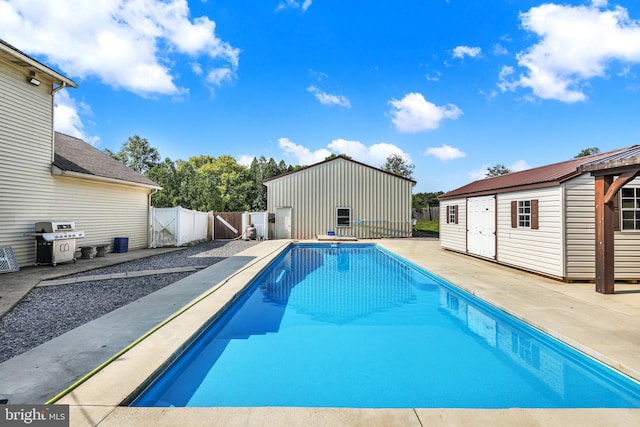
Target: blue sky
point(453, 86)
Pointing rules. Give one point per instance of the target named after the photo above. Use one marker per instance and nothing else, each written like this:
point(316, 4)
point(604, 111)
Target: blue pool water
point(356, 326)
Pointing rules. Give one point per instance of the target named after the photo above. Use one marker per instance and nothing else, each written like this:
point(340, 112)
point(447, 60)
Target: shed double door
point(481, 226)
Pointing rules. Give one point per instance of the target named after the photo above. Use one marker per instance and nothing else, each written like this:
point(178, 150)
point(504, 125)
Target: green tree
point(497, 170)
point(137, 154)
point(165, 174)
point(259, 170)
point(198, 185)
point(398, 165)
point(423, 200)
point(587, 152)
point(231, 182)
point(333, 156)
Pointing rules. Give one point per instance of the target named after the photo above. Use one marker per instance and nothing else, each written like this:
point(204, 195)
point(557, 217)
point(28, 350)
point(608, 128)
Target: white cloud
point(519, 165)
point(245, 160)
point(498, 50)
point(374, 155)
point(445, 153)
point(477, 174)
point(434, 76)
point(328, 99)
point(577, 43)
point(462, 51)
point(414, 114)
point(67, 119)
point(303, 155)
point(293, 4)
point(132, 44)
point(219, 75)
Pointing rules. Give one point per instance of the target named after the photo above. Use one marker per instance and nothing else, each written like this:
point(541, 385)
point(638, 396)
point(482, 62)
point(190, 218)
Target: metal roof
point(334, 159)
point(540, 177)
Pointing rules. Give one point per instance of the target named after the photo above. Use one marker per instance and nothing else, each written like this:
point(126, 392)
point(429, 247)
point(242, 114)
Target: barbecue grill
point(56, 241)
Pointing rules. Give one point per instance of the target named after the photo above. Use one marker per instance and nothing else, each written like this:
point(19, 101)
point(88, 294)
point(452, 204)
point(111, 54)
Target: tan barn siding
point(454, 236)
point(538, 250)
point(315, 192)
point(580, 227)
point(580, 239)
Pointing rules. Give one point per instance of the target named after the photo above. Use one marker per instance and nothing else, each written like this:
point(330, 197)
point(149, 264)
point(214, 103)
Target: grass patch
point(428, 226)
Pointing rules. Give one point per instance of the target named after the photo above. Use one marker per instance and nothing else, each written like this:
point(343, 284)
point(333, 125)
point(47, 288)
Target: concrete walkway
point(94, 277)
point(40, 373)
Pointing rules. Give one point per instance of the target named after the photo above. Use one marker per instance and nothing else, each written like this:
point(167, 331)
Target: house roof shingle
point(540, 177)
point(75, 155)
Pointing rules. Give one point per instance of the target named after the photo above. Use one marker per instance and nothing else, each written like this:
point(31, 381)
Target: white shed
point(339, 196)
point(543, 220)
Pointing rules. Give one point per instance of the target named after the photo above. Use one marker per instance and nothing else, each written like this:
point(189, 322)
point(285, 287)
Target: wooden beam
point(605, 273)
point(618, 183)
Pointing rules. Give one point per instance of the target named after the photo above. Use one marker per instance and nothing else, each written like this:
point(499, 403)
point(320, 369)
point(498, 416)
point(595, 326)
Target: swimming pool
point(355, 326)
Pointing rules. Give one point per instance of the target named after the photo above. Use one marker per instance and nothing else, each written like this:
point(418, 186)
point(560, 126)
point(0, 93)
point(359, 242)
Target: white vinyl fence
point(259, 221)
point(178, 227)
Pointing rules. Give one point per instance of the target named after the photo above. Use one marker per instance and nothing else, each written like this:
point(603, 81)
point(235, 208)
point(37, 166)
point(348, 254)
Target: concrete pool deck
point(606, 327)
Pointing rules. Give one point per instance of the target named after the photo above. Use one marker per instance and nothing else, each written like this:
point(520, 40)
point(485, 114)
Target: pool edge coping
point(90, 397)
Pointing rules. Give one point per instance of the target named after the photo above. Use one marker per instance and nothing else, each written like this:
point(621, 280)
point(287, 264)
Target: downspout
point(150, 243)
point(62, 85)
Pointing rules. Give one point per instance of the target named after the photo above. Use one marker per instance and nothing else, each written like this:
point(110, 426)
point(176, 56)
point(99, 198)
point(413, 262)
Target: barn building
point(339, 196)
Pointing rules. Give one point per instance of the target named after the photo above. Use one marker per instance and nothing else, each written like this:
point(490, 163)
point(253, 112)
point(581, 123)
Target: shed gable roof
point(338, 158)
point(75, 155)
point(540, 177)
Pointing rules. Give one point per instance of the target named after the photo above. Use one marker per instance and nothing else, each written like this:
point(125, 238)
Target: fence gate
point(227, 225)
point(165, 227)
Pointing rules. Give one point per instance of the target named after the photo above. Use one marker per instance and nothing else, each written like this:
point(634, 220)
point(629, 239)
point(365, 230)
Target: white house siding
point(30, 193)
point(538, 250)
point(454, 236)
point(380, 203)
point(26, 188)
point(102, 210)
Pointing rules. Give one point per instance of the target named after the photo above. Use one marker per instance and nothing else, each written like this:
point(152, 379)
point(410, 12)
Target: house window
point(630, 208)
point(343, 217)
point(524, 213)
point(452, 214)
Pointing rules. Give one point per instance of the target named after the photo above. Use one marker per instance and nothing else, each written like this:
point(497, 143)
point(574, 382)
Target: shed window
point(630, 208)
point(343, 217)
point(524, 214)
point(452, 214)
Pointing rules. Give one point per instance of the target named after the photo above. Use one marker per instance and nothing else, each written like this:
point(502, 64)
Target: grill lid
point(54, 226)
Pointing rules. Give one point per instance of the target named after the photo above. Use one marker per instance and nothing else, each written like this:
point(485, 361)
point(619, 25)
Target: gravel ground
point(46, 312)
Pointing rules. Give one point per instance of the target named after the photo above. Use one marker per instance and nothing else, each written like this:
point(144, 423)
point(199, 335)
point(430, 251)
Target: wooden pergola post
point(604, 236)
point(626, 167)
